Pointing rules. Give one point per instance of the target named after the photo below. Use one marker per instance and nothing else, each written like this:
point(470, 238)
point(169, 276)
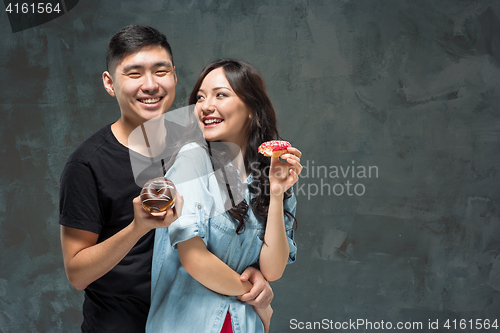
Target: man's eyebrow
point(131, 67)
point(163, 64)
point(137, 66)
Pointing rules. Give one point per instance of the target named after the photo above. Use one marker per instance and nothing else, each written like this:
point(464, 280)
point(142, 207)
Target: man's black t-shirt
point(97, 189)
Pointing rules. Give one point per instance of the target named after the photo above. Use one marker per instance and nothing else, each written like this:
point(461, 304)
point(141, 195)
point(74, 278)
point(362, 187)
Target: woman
point(223, 229)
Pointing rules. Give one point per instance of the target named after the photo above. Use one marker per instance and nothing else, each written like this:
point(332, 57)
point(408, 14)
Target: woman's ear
point(107, 80)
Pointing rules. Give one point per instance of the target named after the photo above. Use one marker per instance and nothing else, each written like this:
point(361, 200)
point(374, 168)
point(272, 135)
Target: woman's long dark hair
point(248, 83)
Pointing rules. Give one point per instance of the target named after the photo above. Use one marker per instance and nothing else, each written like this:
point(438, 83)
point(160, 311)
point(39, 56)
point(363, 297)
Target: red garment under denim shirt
point(227, 328)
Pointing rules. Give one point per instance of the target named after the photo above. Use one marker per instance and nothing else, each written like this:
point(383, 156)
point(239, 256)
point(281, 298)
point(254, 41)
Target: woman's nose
point(207, 106)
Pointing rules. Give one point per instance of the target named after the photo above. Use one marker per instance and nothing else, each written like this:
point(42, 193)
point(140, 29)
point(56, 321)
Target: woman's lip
point(206, 118)
point(214, 124)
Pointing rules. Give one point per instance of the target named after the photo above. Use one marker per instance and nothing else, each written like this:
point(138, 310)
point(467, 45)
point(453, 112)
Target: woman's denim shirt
point(179, 303)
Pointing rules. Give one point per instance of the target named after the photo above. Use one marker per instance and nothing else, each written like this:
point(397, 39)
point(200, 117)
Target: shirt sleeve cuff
point(187, 227)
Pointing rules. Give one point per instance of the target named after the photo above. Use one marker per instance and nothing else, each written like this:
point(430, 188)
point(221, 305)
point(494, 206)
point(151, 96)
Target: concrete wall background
point(409, 87)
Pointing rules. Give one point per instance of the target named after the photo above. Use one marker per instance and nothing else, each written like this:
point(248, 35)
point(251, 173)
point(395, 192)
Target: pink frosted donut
point(158, 194)
point(274, 148)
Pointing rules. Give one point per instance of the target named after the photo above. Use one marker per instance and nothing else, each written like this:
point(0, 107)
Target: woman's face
point(222, 114)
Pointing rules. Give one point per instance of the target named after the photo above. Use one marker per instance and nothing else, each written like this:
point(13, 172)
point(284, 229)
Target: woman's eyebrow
point(215, 89)
point(221, 87)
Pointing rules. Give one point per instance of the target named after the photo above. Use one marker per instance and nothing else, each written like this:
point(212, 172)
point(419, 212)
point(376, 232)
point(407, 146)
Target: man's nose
point(150, 85)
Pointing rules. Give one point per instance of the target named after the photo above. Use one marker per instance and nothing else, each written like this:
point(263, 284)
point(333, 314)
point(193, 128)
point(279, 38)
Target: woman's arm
point(190, 173)
point(215, 275)
point(209, 270)
point(275, 251)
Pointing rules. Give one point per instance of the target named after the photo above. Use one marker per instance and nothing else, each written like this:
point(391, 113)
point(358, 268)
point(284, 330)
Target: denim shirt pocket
point(220, 235)
point(255, 233)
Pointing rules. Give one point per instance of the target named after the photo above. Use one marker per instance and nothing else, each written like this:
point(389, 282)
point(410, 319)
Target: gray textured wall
point(410, 88)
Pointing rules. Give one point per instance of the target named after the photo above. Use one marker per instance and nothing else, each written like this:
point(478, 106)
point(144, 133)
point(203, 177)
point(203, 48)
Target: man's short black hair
point(130, 39)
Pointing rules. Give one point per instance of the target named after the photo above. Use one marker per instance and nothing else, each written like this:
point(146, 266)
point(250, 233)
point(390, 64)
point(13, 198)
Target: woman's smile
point(210, 122)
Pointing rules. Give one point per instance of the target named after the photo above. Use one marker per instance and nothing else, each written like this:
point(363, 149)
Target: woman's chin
point(210, 138)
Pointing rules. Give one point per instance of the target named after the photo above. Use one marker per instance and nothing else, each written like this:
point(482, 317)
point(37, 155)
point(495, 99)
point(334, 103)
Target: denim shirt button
point(199, 207)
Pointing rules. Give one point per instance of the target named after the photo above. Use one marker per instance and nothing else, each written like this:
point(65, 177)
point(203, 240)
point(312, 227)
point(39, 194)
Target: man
point(106, 235)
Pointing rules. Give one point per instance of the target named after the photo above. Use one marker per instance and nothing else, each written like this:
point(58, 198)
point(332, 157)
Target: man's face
point(143, 84)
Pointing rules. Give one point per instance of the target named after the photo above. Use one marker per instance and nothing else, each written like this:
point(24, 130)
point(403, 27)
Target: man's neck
point(121, 131)
point(147, 139)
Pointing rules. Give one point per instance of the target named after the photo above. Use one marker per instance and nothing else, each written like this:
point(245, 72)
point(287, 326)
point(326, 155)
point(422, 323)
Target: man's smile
point(149, 100)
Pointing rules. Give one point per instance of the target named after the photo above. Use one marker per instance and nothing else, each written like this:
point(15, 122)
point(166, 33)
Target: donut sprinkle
point(274, 148)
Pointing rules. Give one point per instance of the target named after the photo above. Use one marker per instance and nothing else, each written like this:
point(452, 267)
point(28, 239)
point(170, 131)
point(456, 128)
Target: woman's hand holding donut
point(283, 175)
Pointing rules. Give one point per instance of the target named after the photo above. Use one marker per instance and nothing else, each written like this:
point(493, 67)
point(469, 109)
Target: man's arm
point(261, 294)
point(85, 261)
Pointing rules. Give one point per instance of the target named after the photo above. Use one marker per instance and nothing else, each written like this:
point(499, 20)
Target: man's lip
point(150, 100)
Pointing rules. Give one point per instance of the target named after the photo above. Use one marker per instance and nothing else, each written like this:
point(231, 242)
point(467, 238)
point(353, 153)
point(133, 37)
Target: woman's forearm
point(209, 270)
point(274, 253)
